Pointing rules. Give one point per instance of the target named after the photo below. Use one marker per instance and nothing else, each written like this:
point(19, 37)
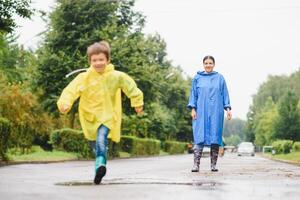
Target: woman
point(208, 100)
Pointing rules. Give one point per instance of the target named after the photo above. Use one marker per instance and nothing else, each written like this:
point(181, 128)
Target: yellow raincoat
point(100, 99)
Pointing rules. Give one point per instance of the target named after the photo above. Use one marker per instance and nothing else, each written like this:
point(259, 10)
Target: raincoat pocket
point(89, 116)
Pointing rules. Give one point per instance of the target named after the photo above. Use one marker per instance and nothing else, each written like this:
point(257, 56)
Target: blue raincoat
point(209, 96)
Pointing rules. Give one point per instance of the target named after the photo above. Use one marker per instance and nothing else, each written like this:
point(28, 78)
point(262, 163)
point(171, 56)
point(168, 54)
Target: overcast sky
point(249, 39)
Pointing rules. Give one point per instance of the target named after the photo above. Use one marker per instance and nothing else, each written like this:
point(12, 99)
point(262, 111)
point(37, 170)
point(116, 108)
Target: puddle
point(197, 184)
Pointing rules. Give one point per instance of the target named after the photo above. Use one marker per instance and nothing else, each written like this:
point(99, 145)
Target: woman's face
point(208, 65)
point(99, 61)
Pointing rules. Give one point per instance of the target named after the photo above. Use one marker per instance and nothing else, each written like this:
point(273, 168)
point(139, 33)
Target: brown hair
point(98, 47)
point(209, 57)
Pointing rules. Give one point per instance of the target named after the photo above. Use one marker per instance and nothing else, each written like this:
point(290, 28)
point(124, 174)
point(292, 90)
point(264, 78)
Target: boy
point(99, 89)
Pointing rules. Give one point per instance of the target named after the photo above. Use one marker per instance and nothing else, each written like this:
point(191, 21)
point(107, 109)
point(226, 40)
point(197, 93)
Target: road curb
point(280, 160)
point(8, 163)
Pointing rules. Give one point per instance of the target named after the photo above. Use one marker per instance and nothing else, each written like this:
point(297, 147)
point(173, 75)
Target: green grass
point(38, 154)
point(163, 153)
point(294, 156)
point(124, 154)
point(290, 157)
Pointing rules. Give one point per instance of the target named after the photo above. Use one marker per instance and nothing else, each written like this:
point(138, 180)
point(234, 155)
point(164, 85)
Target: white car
point(245, 148)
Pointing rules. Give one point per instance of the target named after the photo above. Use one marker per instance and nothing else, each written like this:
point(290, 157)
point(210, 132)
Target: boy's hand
point(139, 110)
point(64, 108)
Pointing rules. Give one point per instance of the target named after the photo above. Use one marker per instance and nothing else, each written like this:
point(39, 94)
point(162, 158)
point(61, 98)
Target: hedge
point(282, 146)
point(5, 128)
point(71, 140)
point(140, 146)
point(296, 146)
point(174, 147)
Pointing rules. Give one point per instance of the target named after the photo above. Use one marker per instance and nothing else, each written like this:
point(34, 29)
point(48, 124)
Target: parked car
point(206, 151)
point(245, 148)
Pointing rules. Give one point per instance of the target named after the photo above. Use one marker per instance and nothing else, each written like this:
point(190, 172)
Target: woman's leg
point(214, 152)
point(198, 148)
point(101, 153)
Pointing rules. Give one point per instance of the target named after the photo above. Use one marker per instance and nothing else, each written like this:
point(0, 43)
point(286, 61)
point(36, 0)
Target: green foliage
point(265, 124)
point(174, 147)
point(296, 146)
point(233, 140)
point(38, 154)
point(234, 127)
point(136, 125)
point(113, 149)
point(17, 64)
point(249, 128)
point(24, 137)
point(5, 128)
point(275, 113)
point(71, 140)
point(9, 8)
point(267, 149)
point(162, 124)
point(282, 146)
point(140, 146)
point(21, 108)
point(288, 126)
point(234, 131)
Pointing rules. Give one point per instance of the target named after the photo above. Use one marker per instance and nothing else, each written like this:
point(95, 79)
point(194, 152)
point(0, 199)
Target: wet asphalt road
point(166, 177)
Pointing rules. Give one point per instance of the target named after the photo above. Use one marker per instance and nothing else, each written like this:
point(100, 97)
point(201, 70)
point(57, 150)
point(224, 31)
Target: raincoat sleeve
point(70, 94)
point(193, 95)
point(129, 87)
point(226, 100)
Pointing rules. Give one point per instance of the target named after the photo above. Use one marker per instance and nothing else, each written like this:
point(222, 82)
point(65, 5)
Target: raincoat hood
point(204, 73)
point(108, 68)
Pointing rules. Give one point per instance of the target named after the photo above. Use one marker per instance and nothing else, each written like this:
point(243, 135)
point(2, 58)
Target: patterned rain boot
point(197, 156)
point(214, 152)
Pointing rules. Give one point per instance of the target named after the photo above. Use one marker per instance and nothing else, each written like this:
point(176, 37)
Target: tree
point(272, 89)
point(265, 124)
point(74, 25)
point(10, 7)
point(234, 127)
point(17, 64)
point(288, 126)
point(233, 140)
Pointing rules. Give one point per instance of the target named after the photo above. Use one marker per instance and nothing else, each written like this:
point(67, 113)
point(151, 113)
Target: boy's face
point(99, 61)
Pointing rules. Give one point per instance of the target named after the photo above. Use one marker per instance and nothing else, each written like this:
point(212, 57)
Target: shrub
point(282, 146)
point(5, 128)
point(71, 140)
point(140, 146)
point(296, 146)
point(113, 149)
point(174, 147)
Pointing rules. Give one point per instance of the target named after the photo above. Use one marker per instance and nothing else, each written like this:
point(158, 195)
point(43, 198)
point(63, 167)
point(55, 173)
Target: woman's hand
point(229, 114)
point(194, 114)
point(139, 110)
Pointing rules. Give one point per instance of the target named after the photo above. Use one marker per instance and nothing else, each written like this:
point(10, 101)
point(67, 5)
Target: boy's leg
point(198, 148)
point(101, 153)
